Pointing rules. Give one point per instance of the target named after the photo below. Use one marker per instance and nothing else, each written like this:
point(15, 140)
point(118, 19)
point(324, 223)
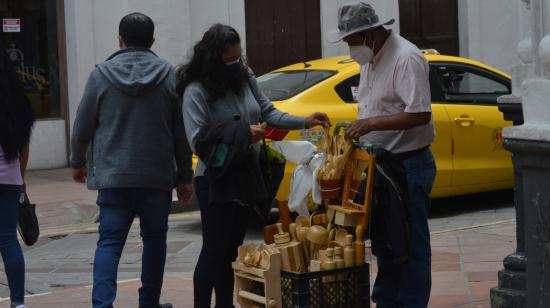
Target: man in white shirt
point(395, 114)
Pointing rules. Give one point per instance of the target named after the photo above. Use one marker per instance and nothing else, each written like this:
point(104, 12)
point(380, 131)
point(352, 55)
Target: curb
point(92, 227)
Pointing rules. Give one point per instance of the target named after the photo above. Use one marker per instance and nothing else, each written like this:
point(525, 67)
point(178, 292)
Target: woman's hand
point(316, 119)
point(256, 133)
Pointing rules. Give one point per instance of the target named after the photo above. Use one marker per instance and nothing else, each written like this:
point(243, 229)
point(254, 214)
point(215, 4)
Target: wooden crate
point(256, 287)
point(349, 213)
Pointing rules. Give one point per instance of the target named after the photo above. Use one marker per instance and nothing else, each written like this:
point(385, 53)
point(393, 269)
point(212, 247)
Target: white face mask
point(362, 54)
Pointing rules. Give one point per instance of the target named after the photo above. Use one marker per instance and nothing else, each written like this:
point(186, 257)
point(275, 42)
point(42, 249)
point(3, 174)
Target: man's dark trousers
point(118, 207)
point(409, 285)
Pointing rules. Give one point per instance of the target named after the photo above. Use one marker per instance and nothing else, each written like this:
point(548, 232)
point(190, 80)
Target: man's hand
point(80, 174)
point(256, 133)
point(185, 193)
point(318, 119)
point(357, 129)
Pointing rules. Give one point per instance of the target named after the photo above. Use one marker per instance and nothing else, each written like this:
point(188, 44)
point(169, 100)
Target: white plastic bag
point(304, 178)
point(298, 152)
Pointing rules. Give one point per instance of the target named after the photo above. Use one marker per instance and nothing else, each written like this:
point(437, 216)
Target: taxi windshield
point(283, 85)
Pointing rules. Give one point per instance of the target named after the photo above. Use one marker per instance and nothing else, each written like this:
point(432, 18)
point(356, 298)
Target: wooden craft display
point(349, 213)
point(248, 278)
point(292, 256)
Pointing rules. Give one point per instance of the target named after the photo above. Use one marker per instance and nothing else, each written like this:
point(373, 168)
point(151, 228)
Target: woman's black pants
point(223, 231)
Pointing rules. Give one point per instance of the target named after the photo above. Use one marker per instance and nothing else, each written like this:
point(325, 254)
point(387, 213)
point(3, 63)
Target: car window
point(347, 89)
point(283, 85)
point(463, 84)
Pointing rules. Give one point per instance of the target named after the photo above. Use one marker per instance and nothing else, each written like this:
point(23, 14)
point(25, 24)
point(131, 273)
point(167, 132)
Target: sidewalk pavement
point(468, 249)
point(64, 206)
point(465, 265)
point(61, 202)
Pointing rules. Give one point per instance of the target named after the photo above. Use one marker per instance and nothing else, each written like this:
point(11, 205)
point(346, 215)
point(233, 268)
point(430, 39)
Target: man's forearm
point(399, 121)
point(184, 160)
point(78, 153)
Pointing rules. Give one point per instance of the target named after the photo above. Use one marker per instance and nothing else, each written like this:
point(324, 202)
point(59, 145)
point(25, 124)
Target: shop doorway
point(282, 32)
point(430, 24)
point(33, 34)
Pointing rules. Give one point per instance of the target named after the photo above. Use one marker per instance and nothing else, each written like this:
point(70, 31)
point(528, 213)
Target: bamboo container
point(329, 264)
point(339, 260)
point(349, 252)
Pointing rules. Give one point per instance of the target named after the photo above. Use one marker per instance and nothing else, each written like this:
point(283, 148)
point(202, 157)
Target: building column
point(525, 281)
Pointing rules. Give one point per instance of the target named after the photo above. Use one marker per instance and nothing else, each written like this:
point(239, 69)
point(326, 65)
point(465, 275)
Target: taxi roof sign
point(430, 52)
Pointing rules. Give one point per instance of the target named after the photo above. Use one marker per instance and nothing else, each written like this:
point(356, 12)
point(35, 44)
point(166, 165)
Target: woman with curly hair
point(16, 121)
point(219, 89)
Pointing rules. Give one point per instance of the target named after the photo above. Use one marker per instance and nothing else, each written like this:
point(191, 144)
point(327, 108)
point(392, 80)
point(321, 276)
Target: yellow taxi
point(468, 146)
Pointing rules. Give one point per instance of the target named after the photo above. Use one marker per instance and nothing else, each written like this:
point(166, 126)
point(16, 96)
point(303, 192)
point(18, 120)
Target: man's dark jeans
point(118, 207)
point(409, 285)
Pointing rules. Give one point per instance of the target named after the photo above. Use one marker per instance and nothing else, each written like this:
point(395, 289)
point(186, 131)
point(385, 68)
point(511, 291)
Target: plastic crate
point(341, 288)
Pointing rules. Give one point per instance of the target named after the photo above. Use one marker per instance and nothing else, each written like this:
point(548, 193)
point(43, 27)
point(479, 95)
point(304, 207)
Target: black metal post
point(532, 159)
point(511, 290)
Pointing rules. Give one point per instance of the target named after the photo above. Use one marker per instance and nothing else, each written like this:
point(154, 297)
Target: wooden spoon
point(292, 230)
point(322, 145)
point(302, 236)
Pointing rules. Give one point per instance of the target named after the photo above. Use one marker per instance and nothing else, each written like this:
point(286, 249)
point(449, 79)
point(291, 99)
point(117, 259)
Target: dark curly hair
point(207, 66)
point(16, 115)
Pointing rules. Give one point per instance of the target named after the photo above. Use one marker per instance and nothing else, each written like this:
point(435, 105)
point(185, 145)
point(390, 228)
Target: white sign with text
point(11, 25)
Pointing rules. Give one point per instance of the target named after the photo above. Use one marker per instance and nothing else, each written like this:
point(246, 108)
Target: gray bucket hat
point(354, 18)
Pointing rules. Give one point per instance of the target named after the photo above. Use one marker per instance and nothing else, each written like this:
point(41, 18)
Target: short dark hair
point(137, 30)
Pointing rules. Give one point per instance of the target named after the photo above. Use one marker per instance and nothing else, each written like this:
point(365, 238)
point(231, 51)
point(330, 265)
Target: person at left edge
point(131, 115)
point(16, 122)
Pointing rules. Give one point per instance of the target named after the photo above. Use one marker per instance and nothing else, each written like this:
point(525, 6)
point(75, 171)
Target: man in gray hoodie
point(130, 123)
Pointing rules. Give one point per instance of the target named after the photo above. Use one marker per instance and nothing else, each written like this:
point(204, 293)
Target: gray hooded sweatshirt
point(130, 123)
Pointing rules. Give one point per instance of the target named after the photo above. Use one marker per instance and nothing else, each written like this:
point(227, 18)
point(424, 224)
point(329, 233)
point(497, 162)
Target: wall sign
point(11, 25)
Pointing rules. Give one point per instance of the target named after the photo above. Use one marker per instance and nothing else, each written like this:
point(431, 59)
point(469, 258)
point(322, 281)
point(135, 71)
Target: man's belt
point(406, 155)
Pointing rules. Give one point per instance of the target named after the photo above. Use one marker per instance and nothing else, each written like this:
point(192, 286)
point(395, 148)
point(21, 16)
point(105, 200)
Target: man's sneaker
point(167, 305)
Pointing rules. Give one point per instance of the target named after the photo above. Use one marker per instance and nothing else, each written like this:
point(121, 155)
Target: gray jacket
point(131, 116)
point(251, 106)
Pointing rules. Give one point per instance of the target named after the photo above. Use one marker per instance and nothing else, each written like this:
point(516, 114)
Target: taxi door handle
point(465, 120)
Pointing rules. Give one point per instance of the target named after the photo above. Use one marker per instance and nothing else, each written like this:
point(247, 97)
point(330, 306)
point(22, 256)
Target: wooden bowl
point(317, 235)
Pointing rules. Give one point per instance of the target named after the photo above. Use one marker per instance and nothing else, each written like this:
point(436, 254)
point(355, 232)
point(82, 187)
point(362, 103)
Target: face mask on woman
point(362, 54)
point(232, 68)
point(230, 64)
